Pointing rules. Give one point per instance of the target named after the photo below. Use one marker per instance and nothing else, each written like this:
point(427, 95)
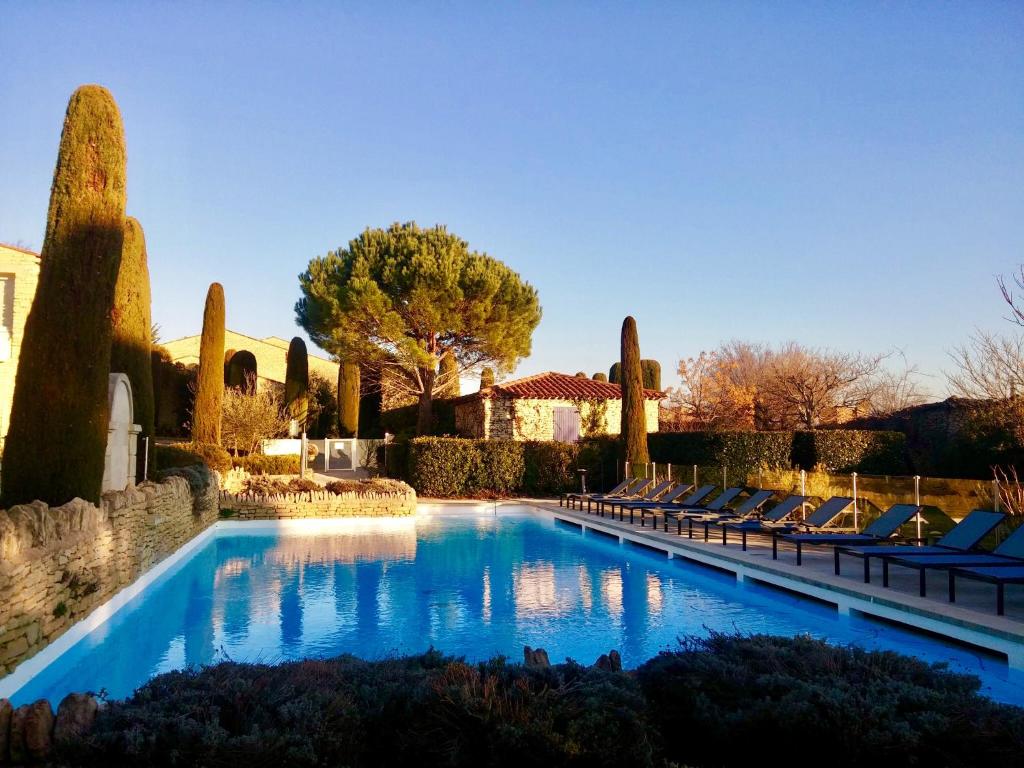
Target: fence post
point(626, 468)
point(654, 471)
point(917, 503)
point(803, 482)
point(302, 457)
point(694, 477)
point(725, 478)
point(995, 495)
point(854, 501)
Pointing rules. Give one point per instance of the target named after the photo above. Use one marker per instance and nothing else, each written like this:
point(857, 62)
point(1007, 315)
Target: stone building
point(547, 406)
point(270, 353)
point(19, 273)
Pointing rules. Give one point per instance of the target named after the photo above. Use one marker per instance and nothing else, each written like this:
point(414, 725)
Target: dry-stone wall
point(57, 564)
point(248, 506)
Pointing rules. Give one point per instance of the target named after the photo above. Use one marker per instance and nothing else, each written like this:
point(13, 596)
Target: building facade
point(548, 406)
point(19, 274)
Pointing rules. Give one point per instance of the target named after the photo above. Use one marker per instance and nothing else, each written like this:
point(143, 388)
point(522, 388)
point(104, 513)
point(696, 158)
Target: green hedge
point(259, 464)
point(188, 454)
point(740, 452)
point(852, 450)
point(454, 466)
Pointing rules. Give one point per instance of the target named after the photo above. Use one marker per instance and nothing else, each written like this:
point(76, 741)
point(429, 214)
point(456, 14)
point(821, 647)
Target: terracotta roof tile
point(556, 386)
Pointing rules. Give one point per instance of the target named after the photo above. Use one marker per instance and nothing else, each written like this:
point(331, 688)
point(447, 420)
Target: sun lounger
point(635, 491)
point(1008, 554)
point(719, 504)
point(1000, 576)
point(690, 502)
point(879, 529)
point(750, 507)
point(777, 515)
point(571, 498)
point(651, 495)
point(964, 536)
point(668, 498)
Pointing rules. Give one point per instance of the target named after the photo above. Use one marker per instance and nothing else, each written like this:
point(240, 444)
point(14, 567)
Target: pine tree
point(206, 412)
point(600, 377)
point(348, 399)
point(57, 438)
point(486, 378)
point(296, 383)
point(651, 371)
point(133, 328)
point(634, 420)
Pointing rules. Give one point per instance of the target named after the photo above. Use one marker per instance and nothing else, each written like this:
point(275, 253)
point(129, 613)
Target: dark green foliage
point(633, 434)
point(61, 391)
point(259, 464)
point(599, 377)
point(206, 412)
point(615, 373)
point(486, 378)
point(242, 371)
point(448, 375)
point(405, 421)
point(172, 390)
point(740, 452)
point(703, 705)
point(348, 399)
point(851, 450)
point(651, 373)
point(454, 466)
point(372, 485)
point(405, 297)
point(323, 407)
point(838, 705)
point(132, 323)
point(296, 382)
point(187, 454)
point(197, 474)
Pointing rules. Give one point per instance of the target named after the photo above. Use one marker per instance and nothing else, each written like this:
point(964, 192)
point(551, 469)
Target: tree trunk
point(425, 418)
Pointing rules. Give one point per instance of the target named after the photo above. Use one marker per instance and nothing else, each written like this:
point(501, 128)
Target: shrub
point(600, 376)
point(60, 391)
point(851, 450)
point(705, 704)
point(373, 485)
point(197, 475)
point(499, 470)
point(206, 410)
point(615, 373)
point(550, 468)
point(132, 323)
point(486, 378)
point(739, 452)
point(188, 454)
point(443, 466)
point(651, 372)
point(260, 464)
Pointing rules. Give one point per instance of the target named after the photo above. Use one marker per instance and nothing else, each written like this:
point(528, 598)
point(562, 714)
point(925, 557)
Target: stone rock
point(6, 710)
point(75, 716)
point(535, 658)
point(610, 662)
point(31, 732)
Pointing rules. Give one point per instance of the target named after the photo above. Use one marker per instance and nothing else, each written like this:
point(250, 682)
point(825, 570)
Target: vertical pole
point(854, 502)
point(917, 503)
point(803, 492)
point(654, 470)
point(302, 455)
point(995, 495)
point(725, 483)
point(145, 459)
point(327, 455)
point(627, 468)
point(695, 477)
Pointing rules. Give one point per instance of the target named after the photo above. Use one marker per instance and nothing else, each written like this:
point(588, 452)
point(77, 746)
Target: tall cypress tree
point(132, 328)
point(651, 371)
point(57, 438)
point(486, 378)
point(615, 373)
point(634, 421)
point(296, 382)
point(348, 399)
point(206, 412)
point(448, 375)
point(600, 376)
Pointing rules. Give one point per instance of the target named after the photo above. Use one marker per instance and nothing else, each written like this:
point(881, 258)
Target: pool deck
point(972, 619)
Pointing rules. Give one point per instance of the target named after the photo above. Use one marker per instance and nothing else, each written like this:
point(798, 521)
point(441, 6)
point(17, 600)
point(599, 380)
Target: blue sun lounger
point(718, 504)
point(634, 491)
point(745, 511)
point(963, 537)
point(633, 506)
point(652, 494)
point(1000, 576)
point(570, 499)
point(690, 502)
point(822, 517)
point(1008, 554)
point(882, 528)
point(777, 515)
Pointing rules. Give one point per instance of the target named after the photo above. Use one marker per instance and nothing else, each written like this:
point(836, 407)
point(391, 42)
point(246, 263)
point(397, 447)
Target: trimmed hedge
point(187, 454)
point(259, 464)
point(740, 452)
point(444, 467)
point(704, 704)
point(852, 450)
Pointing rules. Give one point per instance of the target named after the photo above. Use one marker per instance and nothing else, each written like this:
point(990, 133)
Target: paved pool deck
point(971, 619)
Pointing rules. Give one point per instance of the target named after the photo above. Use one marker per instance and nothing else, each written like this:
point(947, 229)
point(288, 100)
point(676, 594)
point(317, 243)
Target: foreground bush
point(259, 464)
point(707, 704)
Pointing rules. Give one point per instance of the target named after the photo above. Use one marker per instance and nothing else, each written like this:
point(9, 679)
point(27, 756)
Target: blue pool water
point(471, 585)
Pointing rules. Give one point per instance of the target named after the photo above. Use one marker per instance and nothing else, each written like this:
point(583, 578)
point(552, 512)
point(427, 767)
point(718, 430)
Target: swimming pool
point(470, 584)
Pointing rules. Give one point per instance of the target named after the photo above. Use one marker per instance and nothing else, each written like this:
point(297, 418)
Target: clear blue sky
point(848, 175)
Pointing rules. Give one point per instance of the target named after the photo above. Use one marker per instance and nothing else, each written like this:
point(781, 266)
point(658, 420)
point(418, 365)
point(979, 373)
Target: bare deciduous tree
point(897, 390)
point(248, 419)
point(989, 367)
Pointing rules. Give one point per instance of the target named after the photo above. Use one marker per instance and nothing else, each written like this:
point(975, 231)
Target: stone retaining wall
point(246, 506)
point(57, 564)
